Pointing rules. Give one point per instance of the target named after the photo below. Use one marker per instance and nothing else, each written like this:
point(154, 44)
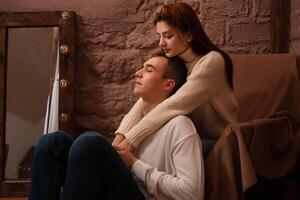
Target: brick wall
point(295, 27)
point(115, 36)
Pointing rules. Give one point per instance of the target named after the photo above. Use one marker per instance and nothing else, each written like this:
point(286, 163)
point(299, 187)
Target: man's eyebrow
point(152, 66)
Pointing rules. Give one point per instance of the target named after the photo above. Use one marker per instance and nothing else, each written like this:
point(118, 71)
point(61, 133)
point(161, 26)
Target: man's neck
point(150, 103)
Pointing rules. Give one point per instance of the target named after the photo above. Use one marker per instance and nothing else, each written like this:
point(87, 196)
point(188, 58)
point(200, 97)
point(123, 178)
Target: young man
point(167, 165)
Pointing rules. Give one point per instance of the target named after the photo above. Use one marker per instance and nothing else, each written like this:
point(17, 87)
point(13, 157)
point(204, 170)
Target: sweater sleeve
point(131, 118)
point(188, 183)
point(205, 80)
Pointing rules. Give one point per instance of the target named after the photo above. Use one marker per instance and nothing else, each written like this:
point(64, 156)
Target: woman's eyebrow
point(165, 32)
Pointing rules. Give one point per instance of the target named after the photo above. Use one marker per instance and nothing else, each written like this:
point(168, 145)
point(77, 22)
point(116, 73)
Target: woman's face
point(172, 40)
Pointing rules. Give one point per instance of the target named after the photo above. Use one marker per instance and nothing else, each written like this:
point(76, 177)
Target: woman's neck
point(188, 55)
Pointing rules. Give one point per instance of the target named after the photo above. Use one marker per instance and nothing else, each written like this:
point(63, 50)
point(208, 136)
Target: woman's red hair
point(180, 15)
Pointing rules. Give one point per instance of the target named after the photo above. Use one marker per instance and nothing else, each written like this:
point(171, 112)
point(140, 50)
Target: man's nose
point(138, 73)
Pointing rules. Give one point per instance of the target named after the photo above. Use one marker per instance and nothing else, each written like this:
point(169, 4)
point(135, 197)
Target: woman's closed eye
point(168, 36)
point(165, 37)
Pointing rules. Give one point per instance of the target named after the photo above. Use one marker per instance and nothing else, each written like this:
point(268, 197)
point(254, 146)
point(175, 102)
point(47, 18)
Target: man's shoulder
point(180, 119)
point(181, 124)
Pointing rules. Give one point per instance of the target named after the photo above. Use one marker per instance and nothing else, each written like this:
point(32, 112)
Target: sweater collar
point(188, 55)
point(190, 58)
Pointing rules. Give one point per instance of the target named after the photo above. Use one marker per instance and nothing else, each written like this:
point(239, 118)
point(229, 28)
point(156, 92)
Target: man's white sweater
point(170, 162)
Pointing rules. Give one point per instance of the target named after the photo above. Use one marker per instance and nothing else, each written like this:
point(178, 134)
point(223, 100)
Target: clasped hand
point(124, 148)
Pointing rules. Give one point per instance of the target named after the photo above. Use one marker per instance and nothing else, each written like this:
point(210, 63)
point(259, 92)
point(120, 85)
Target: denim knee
point(52, 143)
point(87, 144)
point(89, 137)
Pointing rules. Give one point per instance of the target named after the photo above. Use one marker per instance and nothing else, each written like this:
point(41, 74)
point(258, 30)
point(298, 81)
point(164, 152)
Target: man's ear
point(169, 85)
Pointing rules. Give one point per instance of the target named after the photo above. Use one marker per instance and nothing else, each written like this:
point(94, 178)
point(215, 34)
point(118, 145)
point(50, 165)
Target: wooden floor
point(13, 198)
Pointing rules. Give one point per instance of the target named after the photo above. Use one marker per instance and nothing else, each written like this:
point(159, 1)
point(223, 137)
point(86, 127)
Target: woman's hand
point(121, 141)
point(118, 139)
point(126, 155)
point(126, 145)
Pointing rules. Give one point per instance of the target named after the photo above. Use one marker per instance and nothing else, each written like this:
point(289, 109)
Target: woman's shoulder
point(211, 60)
point(213, 55)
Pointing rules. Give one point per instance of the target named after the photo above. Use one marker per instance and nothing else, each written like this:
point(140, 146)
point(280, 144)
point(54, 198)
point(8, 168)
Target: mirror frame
point(66, 23)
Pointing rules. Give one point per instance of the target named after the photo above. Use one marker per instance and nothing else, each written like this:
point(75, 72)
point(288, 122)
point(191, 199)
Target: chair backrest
point(266, 84)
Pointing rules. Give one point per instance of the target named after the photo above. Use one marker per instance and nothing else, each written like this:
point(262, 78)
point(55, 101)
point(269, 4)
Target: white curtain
point(51, 118)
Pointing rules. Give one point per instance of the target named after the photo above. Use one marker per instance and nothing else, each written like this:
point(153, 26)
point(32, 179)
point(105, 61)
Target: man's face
point(149, 82)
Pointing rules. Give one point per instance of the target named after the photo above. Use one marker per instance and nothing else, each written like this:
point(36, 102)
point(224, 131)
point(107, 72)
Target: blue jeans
point(88, 168)
point(207, 144)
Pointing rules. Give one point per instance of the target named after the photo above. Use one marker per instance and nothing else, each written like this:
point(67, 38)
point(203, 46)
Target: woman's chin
point(169, 54)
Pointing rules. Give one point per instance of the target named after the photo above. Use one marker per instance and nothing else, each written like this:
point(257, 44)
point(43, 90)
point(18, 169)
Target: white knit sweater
point(206, 97)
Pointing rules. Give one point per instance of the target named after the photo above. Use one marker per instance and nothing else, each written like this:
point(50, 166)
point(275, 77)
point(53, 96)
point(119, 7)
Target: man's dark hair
point(175, 70)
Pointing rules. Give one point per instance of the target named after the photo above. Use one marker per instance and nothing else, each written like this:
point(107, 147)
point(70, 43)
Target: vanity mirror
point(36, 89)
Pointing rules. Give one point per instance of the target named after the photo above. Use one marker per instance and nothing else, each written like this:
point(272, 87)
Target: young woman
point(207, 95)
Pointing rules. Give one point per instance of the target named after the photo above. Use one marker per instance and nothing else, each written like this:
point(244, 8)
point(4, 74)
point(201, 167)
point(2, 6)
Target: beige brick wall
point(295, 27)
point(115, 36)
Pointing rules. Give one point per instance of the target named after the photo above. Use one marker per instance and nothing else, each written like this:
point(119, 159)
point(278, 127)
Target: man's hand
point(126, 145)
point(118, 139)
point(126, 156)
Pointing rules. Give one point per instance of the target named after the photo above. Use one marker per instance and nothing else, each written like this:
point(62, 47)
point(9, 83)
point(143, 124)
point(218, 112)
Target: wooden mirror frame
point(66, 23)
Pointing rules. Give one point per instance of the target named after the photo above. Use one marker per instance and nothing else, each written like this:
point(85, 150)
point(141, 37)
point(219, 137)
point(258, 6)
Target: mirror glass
point(30, 68)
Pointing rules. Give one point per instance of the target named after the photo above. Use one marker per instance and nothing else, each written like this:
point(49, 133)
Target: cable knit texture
point(206, 97)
